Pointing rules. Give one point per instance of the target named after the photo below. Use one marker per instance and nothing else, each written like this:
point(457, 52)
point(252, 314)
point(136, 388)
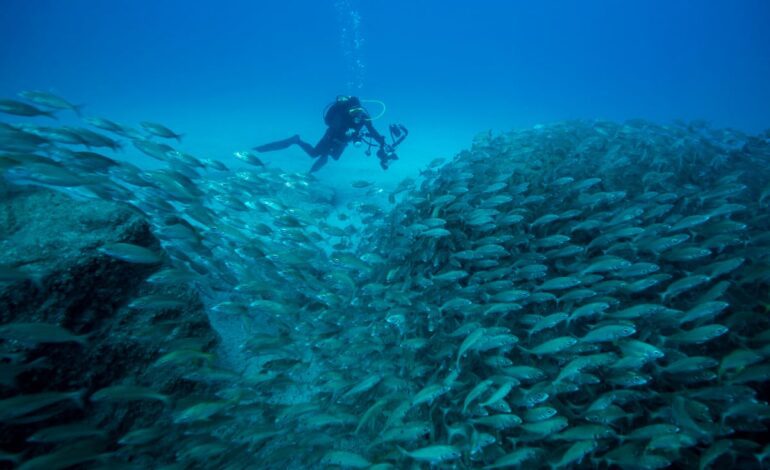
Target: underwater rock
point(54, 240)
point(69, 286)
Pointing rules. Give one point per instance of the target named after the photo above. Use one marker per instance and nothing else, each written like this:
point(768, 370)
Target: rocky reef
point(56, 241)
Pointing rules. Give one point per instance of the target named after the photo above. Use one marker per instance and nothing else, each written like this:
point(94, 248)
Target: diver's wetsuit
point(345, 118)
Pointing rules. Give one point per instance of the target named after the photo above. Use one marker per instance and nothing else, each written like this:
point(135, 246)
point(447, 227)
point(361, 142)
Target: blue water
point(232, 75)
point(240, 73)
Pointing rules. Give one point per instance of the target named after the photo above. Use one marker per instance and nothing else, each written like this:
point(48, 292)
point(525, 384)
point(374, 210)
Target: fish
point(19, 108)
point(172, 276)
point(468, 343)
point(365, 385)
point(157, 302)
point(131, 253)
point(608, 333)
point(52, 174)
point(546, 427)
point(450, 276)
point(699, 334)
point(559, 283)
point(476, 392)
point(201, 411)
point(184, 356)
point(90, 138)
point(123, 393)
point(690, 222)
point(111, 126)
point(684, 284)
point(408, 432)
point(13, 368)
point(689, 364)
point(515, 458)
point(538, 414)
point(428, 394)
point(588, 310)
point(703, 310)
point(160, 130)
point(21, 405)
point(158, 151)
point(345, 459)
point(499, 421)
point(585, 431)
point(576, 453)
point(548, 322)
point(247, 157)
point(552, 346)
point(50, 100)
point(66, 432)
point(739, 359)
point(141, 436)
point(68, 455)
point(36, 333)
point(433, 454)
point(500, 393)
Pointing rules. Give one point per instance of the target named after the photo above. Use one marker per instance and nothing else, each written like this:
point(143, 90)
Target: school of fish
point(576, 295)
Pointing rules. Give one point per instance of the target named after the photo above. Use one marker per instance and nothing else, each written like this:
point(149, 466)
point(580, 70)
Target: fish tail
point(78, 109)
point(81, 340)
point(79, 397)
point(761, 456)
point(178, 137)
point(50, 114)
point(720, 373)
point(37, 280)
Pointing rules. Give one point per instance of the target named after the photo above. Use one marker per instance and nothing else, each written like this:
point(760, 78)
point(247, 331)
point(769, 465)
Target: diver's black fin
point(278, 145)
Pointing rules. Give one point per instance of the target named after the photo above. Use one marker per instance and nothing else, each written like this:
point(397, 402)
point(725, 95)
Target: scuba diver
point(346, 119)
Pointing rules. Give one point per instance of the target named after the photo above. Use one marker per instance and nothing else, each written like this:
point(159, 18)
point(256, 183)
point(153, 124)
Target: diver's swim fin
point(278, 145)
point(319, 163)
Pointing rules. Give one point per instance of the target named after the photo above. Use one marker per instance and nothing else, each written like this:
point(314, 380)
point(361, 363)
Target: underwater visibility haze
point(370, 234)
